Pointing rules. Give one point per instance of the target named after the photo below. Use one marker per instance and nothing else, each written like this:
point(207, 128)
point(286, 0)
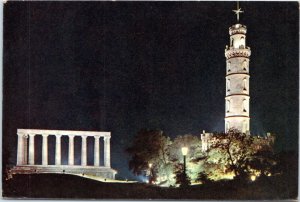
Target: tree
point(263, 161)
point(203, 178)
point(240, 154)
point(152, 176)
point(194, 152)
point(192, 142)
point(149, 146)
point(232, 151)
point(181, 177)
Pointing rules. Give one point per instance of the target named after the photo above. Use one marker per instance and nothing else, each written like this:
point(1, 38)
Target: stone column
point(83, 151)
point(20, 153)
point(31, 149)
point(45, 150)
point(107, 151)
point(71, 150)
point(58, 150)
point(25, 149)
point(96, 151)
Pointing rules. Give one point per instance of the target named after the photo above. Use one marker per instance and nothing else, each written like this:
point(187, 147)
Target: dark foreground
point(68, 186)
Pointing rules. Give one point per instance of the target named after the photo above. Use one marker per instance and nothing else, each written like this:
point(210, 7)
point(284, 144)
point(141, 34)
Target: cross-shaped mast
point(238, 11)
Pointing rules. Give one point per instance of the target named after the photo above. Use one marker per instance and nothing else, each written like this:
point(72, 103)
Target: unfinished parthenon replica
point(26, 155)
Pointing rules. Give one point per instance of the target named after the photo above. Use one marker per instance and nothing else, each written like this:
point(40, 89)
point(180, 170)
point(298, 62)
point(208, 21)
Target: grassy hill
point(70, 187)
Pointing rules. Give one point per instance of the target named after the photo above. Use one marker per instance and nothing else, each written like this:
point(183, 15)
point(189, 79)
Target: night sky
point(124, 66)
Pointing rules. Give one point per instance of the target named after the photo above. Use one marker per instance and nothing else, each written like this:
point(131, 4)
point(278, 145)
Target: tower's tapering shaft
point(237, 80)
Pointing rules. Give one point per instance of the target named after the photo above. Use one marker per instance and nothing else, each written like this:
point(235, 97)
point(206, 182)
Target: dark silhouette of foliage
point(181, 177)
point(149, 146)
point(152, 176)
point(203, 178)
point(264, 161)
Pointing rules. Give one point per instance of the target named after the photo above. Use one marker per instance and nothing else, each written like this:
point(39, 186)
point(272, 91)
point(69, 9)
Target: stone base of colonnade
point(101, 171)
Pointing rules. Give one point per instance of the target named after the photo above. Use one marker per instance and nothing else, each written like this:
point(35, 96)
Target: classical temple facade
point(26, 153)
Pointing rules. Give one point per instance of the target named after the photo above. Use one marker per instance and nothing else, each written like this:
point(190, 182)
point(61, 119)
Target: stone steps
point(104, 172)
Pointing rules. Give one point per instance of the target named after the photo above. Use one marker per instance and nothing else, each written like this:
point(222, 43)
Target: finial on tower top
point(238, 11)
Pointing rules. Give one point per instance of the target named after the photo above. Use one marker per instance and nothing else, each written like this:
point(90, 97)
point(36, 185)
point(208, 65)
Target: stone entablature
point(64, 132)
point(25, 152)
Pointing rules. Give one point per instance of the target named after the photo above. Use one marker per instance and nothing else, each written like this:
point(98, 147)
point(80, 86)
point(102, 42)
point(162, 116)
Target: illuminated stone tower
point(237, 78)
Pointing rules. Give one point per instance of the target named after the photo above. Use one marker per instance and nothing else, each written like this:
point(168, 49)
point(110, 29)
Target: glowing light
point(184, 151)
point(253, 178)
point(142, 178)
point(150, 165)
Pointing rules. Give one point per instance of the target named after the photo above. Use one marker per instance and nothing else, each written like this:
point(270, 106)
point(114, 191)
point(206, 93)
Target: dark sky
point(124, 66)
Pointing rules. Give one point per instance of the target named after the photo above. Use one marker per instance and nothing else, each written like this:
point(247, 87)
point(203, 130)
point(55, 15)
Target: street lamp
point(253, 178)
point(184, 151)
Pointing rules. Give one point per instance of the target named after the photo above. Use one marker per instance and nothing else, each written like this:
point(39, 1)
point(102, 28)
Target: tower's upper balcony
point(239, 52)
point(237, 29)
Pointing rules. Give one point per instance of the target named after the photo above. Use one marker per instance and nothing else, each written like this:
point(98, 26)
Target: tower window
point(244, 84)
point(244, 105)
point(228, 106)
point(244, 65)
point(228, 66)
point(242, 42)
point(228, 85)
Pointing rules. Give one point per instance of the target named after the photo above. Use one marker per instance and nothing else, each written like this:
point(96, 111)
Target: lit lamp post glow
point(253, 178)
point(184, 151)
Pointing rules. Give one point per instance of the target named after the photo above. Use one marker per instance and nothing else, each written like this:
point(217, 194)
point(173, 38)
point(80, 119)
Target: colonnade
point(25, 155)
